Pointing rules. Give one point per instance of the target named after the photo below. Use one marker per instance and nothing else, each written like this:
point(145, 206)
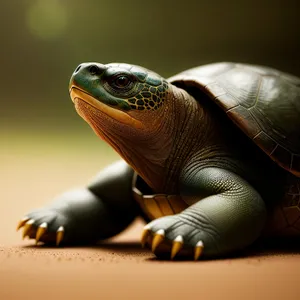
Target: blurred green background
point(45, 147)
point(42, 41)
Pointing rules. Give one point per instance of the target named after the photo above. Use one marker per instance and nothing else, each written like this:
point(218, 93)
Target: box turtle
point(210, 159)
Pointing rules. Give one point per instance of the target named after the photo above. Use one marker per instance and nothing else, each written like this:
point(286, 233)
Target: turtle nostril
point(77, 69)
point(93, 69)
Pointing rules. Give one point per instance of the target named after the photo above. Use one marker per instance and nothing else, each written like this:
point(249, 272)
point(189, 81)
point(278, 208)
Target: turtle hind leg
point(231, 218)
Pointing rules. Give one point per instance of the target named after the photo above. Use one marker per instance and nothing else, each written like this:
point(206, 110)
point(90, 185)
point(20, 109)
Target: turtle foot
point(172, 237)
point(44, 225)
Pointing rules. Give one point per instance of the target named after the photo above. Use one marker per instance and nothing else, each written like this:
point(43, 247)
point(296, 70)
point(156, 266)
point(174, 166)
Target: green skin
point(184, 147)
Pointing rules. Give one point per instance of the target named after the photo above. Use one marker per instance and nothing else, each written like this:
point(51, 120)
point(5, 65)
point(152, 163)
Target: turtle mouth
point(113, 112)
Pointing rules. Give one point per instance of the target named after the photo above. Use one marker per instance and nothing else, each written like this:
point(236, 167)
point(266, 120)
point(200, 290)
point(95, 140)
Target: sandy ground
point(117, 269)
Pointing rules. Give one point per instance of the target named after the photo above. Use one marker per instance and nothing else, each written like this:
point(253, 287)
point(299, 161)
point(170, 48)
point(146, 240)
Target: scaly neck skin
point(180, 129)
point(187, 122)
point(158, 152)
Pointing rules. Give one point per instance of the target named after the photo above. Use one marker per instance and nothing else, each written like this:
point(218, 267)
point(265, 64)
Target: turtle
point(210, 159)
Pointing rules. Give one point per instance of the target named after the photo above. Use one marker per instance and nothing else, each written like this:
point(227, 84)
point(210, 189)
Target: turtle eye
point(122, 81)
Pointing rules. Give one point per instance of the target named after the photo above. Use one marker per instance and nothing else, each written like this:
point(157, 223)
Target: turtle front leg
point(86, 215)
point(229, 217)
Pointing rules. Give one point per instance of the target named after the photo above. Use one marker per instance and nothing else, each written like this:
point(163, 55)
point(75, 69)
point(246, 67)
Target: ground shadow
point(275, 246)
point(260, 249)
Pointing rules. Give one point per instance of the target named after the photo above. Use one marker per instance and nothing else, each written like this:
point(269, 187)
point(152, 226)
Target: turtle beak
point(72, 82)
point(81, 85)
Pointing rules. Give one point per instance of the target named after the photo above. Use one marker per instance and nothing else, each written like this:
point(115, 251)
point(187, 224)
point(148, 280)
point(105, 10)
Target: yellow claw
point(177, 245)
point(145, 234)
point(59, 235)
point(22, 222)
point(40, 232)
point(198, 250)
point(27, 227)
point(159, 236)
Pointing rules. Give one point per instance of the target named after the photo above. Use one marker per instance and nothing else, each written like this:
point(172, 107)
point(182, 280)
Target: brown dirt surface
point(119, 268)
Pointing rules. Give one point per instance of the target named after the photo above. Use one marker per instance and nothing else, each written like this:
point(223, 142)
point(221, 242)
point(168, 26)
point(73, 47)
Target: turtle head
point(130, 108)
point(125, 93)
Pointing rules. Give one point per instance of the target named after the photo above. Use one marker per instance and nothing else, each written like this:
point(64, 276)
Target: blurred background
point(42, 42)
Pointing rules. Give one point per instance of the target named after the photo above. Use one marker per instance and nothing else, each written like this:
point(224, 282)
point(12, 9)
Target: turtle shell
point(263, 102)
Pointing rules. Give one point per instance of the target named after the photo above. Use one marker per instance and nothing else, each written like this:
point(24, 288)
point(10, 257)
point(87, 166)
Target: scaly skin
point(178, 146)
